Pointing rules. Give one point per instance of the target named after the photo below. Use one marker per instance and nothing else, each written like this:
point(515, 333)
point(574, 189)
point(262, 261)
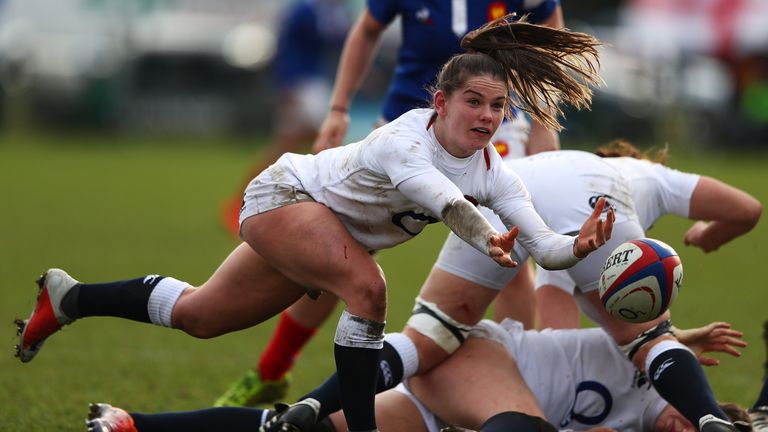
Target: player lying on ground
point(501, 379)
point(310, 221)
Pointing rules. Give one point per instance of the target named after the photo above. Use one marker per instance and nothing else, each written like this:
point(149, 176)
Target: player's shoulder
point(414, 124)
point(407, 134)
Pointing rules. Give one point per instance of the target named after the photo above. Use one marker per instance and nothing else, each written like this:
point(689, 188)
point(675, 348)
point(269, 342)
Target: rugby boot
point(759, 417)
point(250, 391)
point(710, 423)
point(106, 418)
point(47, 317)
point(299, 417)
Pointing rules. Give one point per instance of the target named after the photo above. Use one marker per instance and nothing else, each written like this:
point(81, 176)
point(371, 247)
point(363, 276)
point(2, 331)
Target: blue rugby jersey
point(431, 33)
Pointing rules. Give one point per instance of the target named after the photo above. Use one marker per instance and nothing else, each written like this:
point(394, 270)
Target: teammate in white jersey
point(722, 213)
point(310, 222)
point(576, 379)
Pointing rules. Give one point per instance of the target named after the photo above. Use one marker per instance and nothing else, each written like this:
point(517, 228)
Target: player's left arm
point(723, 211)
point(713, 337)
point(542, 139)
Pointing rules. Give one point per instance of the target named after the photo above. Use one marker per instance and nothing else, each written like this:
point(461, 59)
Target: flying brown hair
point(541, 65)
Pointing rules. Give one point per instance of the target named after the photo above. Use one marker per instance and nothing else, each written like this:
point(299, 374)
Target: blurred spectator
point(310, 39)
point(687, 71)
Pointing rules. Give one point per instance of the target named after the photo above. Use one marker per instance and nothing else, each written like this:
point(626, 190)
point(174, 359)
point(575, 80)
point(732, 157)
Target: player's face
point(470, 115)
point(670, 420)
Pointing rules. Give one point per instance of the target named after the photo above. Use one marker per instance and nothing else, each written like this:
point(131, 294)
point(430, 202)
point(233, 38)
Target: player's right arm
point(360, 48)
point(731, 212)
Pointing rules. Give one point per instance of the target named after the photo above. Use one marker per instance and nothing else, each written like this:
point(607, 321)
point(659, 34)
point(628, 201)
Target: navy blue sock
point(357, 370)
point(231, 419)
point(762, 400)
point(390, 375)
point(124, 299)
point(517, 422)
point(678, 377)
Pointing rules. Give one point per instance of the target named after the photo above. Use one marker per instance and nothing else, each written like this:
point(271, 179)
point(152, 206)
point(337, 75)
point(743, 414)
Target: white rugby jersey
point(580, 378)
point(362, 182)
point(566, 184)
point(656, 190)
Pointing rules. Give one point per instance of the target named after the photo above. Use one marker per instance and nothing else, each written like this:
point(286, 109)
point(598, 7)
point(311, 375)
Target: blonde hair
point(622, 148)
point(541, 65)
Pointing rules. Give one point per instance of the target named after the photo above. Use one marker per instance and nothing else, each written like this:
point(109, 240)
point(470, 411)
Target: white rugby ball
point(640, 280)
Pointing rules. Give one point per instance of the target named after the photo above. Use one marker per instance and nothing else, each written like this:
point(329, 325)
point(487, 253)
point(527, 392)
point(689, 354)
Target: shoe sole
point(21, 329)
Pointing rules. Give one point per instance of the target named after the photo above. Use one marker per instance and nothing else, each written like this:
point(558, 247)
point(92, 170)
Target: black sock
point(124, 299)
point(390, 368)
point(390, 375)
point(517, 422)
point(762, 400)
point(230, 419)
point(357, 370)
point(678, 377)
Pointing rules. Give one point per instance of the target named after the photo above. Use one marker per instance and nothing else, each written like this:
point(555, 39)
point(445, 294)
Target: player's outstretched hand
point(713, 337)
point(332, 131)
point(595, 231)
point(500, 246)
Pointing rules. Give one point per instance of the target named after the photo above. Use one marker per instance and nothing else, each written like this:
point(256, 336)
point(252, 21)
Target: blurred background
point(126, 124)
point(692, 72)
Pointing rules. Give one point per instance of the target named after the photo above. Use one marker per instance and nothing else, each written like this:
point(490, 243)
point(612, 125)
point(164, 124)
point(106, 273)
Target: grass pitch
point(105, 208)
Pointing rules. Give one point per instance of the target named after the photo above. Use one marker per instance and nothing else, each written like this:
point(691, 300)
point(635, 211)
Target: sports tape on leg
point(435, 324)
point(358, 332)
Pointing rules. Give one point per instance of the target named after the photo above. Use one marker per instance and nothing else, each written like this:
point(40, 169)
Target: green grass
point(106, 208)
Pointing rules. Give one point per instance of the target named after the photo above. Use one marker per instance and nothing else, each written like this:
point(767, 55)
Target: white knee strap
point(435, 324)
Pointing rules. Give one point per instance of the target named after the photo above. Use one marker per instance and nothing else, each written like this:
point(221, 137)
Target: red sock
point(286, 343)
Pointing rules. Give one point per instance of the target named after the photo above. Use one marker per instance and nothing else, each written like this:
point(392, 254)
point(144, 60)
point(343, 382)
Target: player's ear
point(440, 101)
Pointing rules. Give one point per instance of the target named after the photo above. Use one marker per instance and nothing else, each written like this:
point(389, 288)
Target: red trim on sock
point(286, 344)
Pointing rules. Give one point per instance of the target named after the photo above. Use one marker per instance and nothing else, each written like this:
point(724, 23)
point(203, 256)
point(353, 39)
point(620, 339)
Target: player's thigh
point(397, 412)
point(517, 300)
point(308, 244)
point(461, 299)
point(245, 290)
point(478, 381)
point(557, 309)
point(394, 412)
